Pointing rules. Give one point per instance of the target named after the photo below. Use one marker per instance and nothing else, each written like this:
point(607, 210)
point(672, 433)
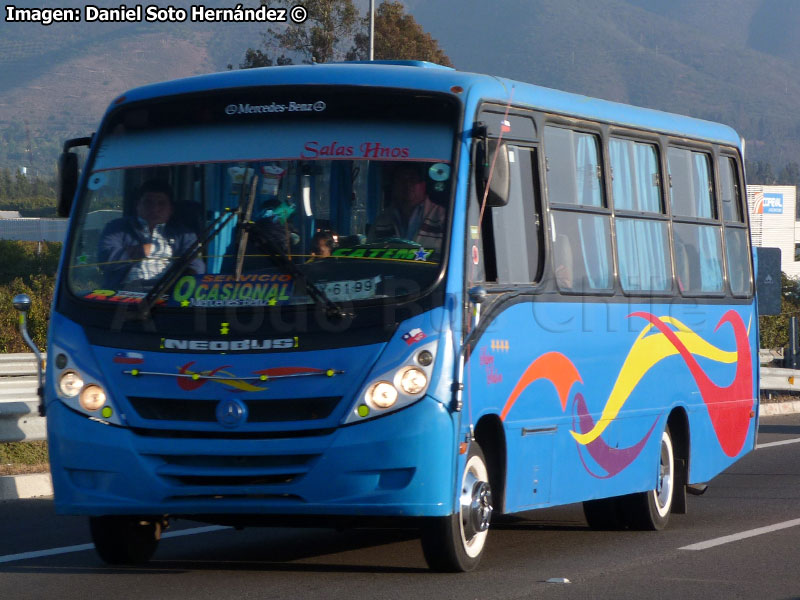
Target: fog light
point(413, 381)
point(382, 395)
point(70, 384)
point(92, 397)
point(425, 358)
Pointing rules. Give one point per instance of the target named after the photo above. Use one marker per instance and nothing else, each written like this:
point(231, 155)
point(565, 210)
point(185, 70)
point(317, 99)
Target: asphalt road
point(523, 553)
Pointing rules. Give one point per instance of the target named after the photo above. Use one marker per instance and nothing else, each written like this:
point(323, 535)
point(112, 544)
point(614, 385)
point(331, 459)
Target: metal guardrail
point(774, 379)
point(19, 404)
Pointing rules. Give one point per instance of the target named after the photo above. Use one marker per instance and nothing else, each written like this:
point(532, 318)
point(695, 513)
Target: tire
point(604, 514)
point(455, 543)
point(125, 540)
point(650, 510)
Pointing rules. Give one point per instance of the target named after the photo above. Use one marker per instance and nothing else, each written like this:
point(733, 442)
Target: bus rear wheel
point(650, 510)
point(455, 543)
point(125, 540)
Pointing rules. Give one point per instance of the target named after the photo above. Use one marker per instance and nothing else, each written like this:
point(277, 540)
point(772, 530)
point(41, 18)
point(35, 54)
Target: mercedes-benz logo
point(231, 412)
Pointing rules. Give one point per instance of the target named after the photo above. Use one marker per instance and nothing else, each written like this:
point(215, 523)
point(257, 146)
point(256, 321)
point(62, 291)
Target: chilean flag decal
point(128, 358)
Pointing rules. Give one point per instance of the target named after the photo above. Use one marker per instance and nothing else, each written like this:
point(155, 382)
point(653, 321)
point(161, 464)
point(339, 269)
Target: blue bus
point(395, 294)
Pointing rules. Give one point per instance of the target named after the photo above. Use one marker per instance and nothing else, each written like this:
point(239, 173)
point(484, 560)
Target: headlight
point(400, 383)
point(413, 381)
point(70, 384)
point(382, 395)
point(92, 397)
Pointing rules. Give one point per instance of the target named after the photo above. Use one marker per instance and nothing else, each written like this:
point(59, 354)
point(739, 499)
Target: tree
point(760, 173)
point(334, 30)
point(327, 32)
point(5, 183)
point(254, 58)
point(790, 174)
point(397, 37)
point(774, 329)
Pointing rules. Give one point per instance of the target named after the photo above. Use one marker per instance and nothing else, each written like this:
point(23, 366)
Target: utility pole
point(372, 30)
point(28, 146)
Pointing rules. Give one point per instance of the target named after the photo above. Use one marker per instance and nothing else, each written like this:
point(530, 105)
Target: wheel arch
point(490, 435)
point(678, 423)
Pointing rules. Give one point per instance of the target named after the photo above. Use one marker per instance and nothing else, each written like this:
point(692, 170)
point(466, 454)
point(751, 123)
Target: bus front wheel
point(651, 509)
point(456, 542)
point(125, 540)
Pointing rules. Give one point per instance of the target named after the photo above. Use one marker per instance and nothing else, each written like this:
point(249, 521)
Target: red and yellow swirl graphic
point(197, 379)
point(729, 407)
point(200, 378)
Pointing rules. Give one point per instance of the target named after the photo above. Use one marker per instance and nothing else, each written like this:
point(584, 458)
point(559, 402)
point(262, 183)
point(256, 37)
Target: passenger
point(412, 215)
point(140, 248)
point(321, 245)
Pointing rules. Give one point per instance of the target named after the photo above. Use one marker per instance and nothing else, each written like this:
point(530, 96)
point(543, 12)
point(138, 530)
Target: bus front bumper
point(399, 465)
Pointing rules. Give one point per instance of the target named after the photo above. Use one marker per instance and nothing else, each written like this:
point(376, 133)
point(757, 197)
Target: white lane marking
point(40, 553)
point(81, 547)
point(741, 536)
point(780, 443)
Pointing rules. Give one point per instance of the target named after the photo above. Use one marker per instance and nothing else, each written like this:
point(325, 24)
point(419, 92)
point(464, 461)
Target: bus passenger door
point(508, 259)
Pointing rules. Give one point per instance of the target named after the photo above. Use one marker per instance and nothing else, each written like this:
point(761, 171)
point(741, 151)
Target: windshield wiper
point(278, 256)
point(178, 266)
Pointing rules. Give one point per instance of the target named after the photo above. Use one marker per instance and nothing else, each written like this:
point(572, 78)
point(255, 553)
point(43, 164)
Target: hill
point(56, 81)
point(735, 61)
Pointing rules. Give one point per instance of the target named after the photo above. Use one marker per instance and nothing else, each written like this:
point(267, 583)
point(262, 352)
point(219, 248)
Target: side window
point(581, 251)
point(738, 255)
point(642, 243)
point(574, 174)
point(635, 178)
point(643, 250)
point(729, 190)
point(582, 260)
point(698, 258)
point(737, 247)
point(692, 192)
point(515, 226)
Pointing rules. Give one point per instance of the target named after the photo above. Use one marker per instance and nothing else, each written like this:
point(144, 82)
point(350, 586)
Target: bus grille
point(259, 411)
point(222, 471)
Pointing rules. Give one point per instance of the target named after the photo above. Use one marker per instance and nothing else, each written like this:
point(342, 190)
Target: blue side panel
point(584, 392)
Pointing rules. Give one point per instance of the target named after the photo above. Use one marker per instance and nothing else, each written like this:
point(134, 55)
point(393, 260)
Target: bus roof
point(423, 76)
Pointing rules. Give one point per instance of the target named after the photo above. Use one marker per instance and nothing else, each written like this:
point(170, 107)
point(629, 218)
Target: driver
point(140, 248)
point(411, 215)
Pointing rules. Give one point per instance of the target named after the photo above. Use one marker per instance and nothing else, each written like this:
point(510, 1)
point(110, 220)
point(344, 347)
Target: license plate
point(358, 289)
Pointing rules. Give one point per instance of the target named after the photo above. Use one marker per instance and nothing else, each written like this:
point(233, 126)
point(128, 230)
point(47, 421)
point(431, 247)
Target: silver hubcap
point(663, 491)
point(476, 505)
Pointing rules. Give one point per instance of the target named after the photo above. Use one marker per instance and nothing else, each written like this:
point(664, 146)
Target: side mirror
point(68, 173)
point(492, 169)
point(67, 181)
point(22, 303)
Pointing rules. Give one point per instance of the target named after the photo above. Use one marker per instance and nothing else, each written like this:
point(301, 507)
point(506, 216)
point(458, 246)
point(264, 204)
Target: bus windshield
point(360, 208)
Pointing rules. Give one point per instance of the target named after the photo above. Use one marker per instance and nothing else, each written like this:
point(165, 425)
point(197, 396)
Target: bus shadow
point(512, 523)
point(265, 553)
point(787, 429)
